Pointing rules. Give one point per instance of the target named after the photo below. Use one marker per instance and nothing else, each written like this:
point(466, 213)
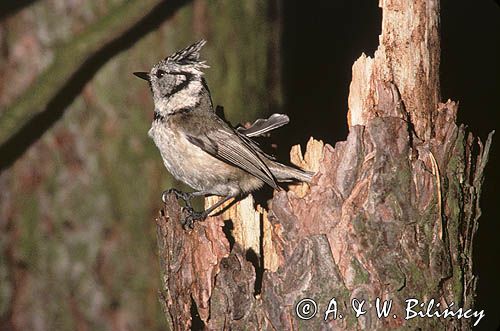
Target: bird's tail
point(285, 173)
point(263, 126)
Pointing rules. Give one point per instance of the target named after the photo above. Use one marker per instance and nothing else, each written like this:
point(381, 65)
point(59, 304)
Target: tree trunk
point(73, 253)
point(391, 212)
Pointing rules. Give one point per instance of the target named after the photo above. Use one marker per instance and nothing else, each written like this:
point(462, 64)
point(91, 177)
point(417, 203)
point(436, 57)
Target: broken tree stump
point(391, 212)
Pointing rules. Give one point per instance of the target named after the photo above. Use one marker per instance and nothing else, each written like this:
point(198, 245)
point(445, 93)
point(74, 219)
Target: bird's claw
point(186, 197)
point(192, 217)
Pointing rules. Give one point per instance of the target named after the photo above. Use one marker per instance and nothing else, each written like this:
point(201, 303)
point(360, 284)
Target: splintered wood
point(251, 224)
point(402, 79)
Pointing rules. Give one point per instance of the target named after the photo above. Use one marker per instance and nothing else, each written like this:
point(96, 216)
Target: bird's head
point(179, 75)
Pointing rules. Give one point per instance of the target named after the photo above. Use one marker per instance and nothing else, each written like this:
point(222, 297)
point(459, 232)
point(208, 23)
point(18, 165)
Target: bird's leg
point(184, 196)
point(200, 216)
point(193, 215)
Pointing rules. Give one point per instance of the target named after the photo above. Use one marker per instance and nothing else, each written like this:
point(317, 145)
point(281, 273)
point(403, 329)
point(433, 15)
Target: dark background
point(319, 50)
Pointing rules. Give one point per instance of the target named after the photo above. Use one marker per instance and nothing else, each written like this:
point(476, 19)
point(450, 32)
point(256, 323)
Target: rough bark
point(391, 212)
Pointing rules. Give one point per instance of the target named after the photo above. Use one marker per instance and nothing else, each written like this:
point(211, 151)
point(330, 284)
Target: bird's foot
point(186, 197)
point(192, 217)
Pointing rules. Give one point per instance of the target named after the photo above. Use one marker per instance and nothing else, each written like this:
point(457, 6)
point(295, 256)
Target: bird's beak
point(142, 75)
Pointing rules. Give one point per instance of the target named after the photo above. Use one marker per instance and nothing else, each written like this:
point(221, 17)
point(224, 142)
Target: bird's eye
point(160, 73)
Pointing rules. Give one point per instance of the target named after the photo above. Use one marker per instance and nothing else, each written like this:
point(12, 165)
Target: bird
point(198, 147)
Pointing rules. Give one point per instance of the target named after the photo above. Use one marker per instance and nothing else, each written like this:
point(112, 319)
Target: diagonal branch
point(75, 64)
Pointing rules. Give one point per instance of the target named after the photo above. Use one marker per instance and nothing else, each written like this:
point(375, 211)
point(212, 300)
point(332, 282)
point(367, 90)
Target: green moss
point(418, 281)
point(454, 204)
point(359, 224)
point(361, 275)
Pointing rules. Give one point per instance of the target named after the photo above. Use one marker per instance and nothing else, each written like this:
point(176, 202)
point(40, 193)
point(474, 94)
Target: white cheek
point(187, 97)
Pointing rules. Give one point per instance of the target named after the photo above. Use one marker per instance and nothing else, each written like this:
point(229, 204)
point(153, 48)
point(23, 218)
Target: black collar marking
point(160, 118)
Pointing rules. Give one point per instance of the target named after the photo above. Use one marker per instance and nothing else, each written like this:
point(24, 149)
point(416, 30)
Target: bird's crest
point(189, 55)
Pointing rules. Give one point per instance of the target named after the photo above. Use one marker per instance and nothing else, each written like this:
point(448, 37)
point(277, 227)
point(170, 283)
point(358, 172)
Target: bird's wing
point(262, 126)
point(226, 145)
point(255, 146)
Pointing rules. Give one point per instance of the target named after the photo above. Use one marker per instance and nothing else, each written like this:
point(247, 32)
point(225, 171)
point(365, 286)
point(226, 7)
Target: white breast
point(187, 162)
